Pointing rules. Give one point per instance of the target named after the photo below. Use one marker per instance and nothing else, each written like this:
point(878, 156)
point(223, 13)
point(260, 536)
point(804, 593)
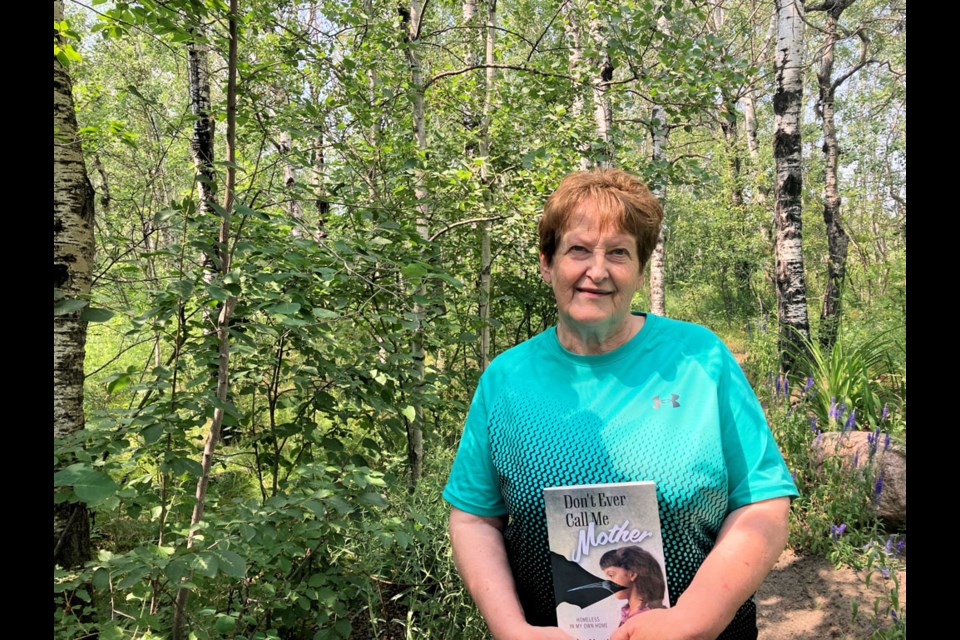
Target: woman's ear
point(545, 271)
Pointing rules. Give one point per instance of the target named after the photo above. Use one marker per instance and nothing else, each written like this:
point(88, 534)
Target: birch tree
point(73, 244)
point(794, 326)
point(411, 22)
point(223, 318)
point(486, 261)
point(837, 238)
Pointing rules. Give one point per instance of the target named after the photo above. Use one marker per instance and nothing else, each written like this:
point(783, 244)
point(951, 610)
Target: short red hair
point(618, 198)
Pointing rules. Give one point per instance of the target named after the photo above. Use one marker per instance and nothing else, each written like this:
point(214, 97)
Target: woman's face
point(594, 275)
point(623, 577)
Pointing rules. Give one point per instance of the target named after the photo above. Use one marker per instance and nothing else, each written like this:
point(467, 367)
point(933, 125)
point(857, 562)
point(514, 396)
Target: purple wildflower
point(851, 422)
point(889, 546)
point(884, 571)
point(885, 413)
point(893, 614)
point(833, 414)
point(837, 531)
point(878, 486)
point(819, 437)
point(808, 384)
point(900, 546)
point(786, 387)
point(813, 424)
point(886, 442)
point(856, 459)
point(777, 387)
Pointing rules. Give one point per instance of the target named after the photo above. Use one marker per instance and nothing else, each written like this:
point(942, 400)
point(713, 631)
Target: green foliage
point(856, 383)
point(835, 514)
point(309, 529)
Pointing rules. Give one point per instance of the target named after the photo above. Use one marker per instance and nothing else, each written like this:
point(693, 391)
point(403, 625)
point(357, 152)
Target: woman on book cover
point(611, 395)
point(639, 571)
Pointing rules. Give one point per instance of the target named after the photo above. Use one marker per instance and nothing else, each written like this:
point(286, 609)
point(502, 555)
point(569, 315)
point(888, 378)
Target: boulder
point(891, 464)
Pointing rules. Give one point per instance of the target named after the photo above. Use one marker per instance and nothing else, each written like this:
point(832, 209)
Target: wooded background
point(290, 235)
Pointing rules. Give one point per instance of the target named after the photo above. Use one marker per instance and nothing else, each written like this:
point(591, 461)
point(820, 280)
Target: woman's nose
point(597, 270)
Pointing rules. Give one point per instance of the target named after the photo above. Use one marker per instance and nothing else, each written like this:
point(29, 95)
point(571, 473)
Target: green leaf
point(207, 564)
point(176, 569)
point(225, 624)
point(118, 382)
point(232, 564)
point(68, 306)
point(285, 308)
point(164, 214)
point(343, 627)
point(217, 293)
point(410, 413)
point(324, 314)
point(91, 314)
point(373, 500)
point(186, 465)
point(414, 270)
point(183, 288)
point(91, 485)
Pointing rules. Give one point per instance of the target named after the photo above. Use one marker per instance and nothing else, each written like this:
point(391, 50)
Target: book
point(606, 552)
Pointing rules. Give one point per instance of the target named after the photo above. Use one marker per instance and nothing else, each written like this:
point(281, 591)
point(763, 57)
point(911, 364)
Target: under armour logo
point(674, 398)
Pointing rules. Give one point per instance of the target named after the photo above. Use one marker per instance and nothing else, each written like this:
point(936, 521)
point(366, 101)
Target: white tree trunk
point(485, 177)
point(411, 27)
point(837, 239)
point(602, 109)
point(73, 245)
point(787, 147)
point(223, 318)
point(571, 27)
point(658, 303)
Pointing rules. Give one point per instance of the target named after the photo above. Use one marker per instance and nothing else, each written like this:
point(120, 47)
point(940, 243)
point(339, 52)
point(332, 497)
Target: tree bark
point(223, 319)
point(571, 26)
point(73, 246)
point(602, 109)
point(410, 23)
point(658, 302)
point(485, 177)
point(794, 326)
point(837, 239)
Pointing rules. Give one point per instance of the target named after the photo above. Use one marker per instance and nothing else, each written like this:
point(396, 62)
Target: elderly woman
point(610, 395)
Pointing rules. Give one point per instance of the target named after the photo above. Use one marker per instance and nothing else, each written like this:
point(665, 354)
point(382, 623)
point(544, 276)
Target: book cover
point(606, 553)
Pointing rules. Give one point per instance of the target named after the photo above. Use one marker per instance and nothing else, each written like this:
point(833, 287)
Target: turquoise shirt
point(671, 405)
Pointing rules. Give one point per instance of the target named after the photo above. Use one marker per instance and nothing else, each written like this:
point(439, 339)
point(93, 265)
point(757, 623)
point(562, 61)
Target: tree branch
point(474, 67)
point(460, 223)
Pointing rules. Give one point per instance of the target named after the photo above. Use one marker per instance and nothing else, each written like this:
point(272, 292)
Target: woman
point(639, 571)
point(609, 395)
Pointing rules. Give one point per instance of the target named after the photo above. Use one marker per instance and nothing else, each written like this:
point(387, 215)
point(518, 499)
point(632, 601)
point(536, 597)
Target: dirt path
point(806, 598)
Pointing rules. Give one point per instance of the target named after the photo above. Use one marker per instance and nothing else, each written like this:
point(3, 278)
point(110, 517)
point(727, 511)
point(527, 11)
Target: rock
point(853, 446)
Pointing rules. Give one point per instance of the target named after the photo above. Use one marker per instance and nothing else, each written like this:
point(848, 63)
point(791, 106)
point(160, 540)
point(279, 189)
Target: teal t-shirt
point(671, 405)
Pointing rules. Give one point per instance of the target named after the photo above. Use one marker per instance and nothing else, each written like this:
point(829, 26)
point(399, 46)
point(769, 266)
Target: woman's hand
point(748, 545)
point(481, 560)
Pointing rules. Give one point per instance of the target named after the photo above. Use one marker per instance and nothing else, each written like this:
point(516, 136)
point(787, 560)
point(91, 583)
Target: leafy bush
point(855, 383)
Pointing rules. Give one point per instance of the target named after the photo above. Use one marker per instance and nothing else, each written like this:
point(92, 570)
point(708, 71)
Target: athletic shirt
point(671, 405)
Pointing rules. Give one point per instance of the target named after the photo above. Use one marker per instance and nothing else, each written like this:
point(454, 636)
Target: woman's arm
point(748, 545)
point(481, 560)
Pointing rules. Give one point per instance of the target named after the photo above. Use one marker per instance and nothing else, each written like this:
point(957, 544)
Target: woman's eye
point(578, 248)
point(620, 252)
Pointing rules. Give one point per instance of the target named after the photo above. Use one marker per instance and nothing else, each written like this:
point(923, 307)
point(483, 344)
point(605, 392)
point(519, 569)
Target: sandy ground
point(807, 597)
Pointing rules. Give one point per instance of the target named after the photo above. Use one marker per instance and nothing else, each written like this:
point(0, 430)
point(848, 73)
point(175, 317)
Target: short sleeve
point(755, 467)
point(474, 484)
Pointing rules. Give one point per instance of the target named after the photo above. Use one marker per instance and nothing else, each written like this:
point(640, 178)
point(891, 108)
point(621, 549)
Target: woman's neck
point(591, 341)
